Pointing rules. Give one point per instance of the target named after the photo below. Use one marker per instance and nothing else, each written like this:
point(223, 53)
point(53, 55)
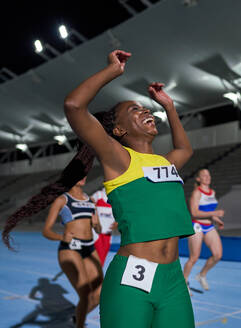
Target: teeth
point(148, 120)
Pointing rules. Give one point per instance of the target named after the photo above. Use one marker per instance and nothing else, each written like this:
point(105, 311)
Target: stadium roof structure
point(194, 49)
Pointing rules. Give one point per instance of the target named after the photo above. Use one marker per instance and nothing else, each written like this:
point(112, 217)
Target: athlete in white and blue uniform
point(203, 207)
point(207, 203)
point(77, 256)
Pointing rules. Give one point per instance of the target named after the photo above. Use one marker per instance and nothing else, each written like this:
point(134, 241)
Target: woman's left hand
point(156, 92)
point(218, 221)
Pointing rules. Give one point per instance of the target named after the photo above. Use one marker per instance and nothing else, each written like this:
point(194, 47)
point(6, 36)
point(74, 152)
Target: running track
point(30, 298)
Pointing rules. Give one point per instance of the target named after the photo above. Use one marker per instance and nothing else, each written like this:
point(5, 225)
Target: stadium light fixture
point(22, 146)
point(61, 139)
point(70, 36)
point(63, 32)
point(38, 46)
point(46, 51)
point(235, 97)
point(161, 115)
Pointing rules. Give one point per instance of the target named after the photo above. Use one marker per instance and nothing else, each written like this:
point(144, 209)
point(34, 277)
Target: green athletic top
point(148, 200)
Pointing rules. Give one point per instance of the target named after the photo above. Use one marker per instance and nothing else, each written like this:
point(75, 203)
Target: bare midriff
point(160, 251)
point(81, 229)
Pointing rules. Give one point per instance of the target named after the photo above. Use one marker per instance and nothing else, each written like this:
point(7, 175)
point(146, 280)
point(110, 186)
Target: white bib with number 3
point(75, 244)
point(162, 173)
point(139, 273)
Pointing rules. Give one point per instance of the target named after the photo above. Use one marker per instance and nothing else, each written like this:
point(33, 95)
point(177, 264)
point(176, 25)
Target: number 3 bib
point(139, 273)
point(162, 173)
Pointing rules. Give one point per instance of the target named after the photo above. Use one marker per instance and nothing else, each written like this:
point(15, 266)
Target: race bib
point(162, 173)
point(75, 244)
point(197, 227)
point(139, 273)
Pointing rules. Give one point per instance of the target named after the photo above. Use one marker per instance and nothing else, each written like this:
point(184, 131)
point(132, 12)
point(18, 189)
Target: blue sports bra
point(76, 209)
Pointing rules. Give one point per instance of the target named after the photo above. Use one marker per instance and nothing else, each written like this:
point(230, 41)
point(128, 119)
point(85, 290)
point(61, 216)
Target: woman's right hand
point(68, 236)
point(117, 59)
point(219, 213)
point(218, 221)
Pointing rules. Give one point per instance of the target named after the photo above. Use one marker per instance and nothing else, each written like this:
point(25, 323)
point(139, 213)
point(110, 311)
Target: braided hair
point(75, 171)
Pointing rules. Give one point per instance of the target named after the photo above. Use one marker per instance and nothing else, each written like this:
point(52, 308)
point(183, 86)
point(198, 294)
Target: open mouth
point(149, 120)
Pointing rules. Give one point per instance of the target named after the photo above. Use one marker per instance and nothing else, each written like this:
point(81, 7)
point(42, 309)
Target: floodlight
point(60, 138)
point(38, 46)
point(71, 37)
point(46, 51)
point(233, 96)
point(161, 115)
point(63, 32)
point(22, 146)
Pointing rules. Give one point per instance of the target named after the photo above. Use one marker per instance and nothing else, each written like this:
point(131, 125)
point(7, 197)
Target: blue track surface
point(30, 298)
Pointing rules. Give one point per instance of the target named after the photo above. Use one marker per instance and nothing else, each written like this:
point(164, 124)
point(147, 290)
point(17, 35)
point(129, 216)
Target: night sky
point(22, 23)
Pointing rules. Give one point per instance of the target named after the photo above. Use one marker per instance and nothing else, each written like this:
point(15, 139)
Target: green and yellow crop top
point(148, 200)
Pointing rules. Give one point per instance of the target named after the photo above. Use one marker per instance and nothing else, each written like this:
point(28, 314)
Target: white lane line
point(41, 274)
point(30, 259)
point(208, 310)
point(202, 323)
point(223, 268)
point(215, 304)
point(222, 283)
point(219, 318)
point(16, 296)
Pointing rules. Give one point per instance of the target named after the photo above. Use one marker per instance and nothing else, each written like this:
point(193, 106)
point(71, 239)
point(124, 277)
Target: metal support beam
point(187, 119)
point(146, 3)
point(130, 10)
point(5, 156)
point(39, 152)
point(203, 109)
point(68, 146)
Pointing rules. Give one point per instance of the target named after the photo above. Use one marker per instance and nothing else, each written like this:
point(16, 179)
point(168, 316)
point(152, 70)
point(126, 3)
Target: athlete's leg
point(95, 277)
point(72, 265)
point(176, 314)
point(194, 245)
point(213, 242)
point(173, 306)
point(123, 306)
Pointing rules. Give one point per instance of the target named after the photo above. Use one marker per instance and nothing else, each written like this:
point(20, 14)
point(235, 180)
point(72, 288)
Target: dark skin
point(136, 127)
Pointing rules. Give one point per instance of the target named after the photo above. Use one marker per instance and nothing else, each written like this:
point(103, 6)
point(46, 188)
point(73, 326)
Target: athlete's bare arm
point(48, 232)
point(111, 154)
point(182, 148)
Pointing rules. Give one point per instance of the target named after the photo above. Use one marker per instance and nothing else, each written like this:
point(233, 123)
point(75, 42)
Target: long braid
point(76, 170)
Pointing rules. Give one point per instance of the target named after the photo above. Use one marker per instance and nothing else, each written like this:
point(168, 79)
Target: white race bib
point(197, 227)
point(162, 173)
point(139, 273)
point(75, 244)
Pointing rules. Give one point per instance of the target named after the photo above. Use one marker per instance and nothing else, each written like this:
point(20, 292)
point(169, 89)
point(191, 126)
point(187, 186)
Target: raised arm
point(182, 148)
point(85, 125)
point(196, 213)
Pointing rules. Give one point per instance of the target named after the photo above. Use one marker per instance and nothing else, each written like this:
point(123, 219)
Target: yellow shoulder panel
point(134, 171)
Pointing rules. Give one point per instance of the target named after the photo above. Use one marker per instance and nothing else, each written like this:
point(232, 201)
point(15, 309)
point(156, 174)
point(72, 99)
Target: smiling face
point(134, 121)
point(204, 177)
